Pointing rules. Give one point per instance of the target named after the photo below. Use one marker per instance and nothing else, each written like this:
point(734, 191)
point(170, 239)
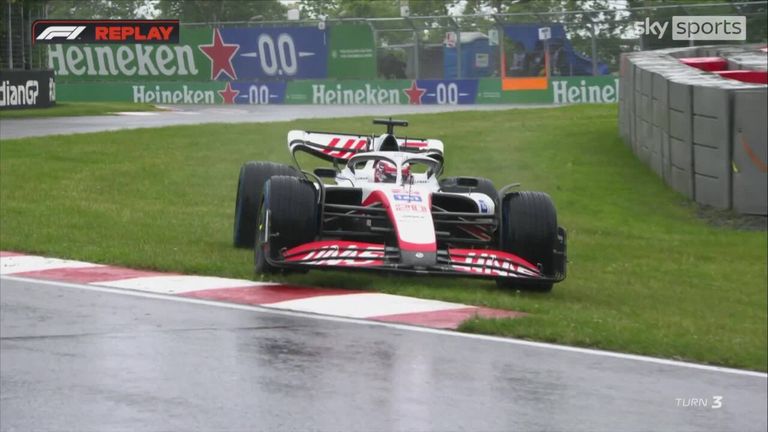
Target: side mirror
point(469, 182)
point(325, 172)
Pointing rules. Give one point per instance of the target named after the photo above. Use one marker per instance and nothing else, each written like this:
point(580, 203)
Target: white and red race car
point(388, 210)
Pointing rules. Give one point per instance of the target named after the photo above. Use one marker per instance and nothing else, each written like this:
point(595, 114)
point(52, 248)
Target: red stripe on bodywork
point(265, 294)
point(351, 145)
point(330, 145)
point(343, 154)
point(9, 254)
point(90, 274)
point(447, 319)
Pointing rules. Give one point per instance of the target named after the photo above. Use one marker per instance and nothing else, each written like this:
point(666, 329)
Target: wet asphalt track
point(196, 114)
point(90, 360)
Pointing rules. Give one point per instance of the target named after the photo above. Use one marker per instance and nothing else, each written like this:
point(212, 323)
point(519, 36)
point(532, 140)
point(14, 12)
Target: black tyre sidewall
point(293, 210)
point(529, 230)
point(250, 185)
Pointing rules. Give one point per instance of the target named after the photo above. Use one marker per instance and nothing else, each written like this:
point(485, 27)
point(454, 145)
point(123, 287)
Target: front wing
point(349, 255)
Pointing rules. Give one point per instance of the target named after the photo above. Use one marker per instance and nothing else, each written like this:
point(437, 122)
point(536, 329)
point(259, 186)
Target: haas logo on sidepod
point(352, 256)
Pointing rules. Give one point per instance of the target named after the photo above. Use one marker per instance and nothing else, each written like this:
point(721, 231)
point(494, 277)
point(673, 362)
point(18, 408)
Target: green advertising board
point(154, 93)
point(348, 92)
point(352, 54)
point(560, 90)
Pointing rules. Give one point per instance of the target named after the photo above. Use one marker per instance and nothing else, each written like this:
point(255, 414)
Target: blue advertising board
point(448, 92)
point(263, 93)
point(280, 53)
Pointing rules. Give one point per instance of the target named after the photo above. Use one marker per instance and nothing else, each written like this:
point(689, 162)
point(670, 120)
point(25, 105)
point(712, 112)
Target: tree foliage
point(207, 11)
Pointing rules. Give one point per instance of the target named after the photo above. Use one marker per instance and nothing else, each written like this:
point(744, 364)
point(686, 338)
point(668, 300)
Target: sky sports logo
point(105, 31)
point(697, 28)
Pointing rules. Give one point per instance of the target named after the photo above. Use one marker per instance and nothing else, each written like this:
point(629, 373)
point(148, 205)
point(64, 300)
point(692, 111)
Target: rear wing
point(340, 147)
point(333, 147)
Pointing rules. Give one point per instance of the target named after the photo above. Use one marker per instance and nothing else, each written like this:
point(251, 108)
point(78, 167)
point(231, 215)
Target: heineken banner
point(565, 90)
point(560, 90)
point(203, 54)
point(352, 52)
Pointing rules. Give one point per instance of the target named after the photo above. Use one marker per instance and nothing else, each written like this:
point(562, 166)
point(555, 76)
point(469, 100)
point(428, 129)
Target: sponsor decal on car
point(407, 197)
point(341, 253)
point(413, 208)
point(483, 206)
point(492, 263)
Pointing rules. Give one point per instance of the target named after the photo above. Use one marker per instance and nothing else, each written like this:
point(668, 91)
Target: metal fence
point(467, 46)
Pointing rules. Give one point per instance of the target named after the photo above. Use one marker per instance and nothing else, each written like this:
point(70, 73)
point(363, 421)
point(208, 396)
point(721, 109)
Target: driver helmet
point(386, 172)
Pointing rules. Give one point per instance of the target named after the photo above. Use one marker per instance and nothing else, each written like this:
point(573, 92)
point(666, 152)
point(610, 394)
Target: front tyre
point(288, 217)
point(529, 230)
point(250, 184)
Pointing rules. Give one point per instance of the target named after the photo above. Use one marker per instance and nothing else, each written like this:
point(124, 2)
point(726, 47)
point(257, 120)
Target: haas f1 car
point(383, 206)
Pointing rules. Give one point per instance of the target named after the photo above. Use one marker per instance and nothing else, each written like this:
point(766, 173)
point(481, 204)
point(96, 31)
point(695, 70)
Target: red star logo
point(221, 56)
point(228, 94)
point(414, 93)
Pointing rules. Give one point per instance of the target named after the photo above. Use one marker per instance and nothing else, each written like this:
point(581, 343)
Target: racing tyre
point(288, 217)
point(484, 186)
point(250, 185)
point(529, 230)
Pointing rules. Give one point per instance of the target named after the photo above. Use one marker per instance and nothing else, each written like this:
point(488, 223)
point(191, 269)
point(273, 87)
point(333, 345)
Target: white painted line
point(512, 341)
point(178, 284)
point(364, 305)
point(136, 113)
point(28, 263)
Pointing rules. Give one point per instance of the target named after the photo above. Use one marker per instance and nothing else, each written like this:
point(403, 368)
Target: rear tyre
point(484, 186)
point(288, 217)
point(529, 230)
point(250, 185)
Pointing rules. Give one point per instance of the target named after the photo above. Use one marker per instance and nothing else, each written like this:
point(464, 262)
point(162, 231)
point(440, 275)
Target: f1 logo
point(67, 32)
point(105, 31)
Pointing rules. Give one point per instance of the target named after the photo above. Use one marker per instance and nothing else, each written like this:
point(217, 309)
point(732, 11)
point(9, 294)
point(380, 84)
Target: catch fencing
point(467, 59)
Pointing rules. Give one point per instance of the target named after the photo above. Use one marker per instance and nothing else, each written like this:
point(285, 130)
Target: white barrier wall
point(703, 134)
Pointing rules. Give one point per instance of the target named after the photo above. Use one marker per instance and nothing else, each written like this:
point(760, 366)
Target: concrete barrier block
point(711, 146)
point(711, 191)
point(681, 154)
point(680, 135)
point(685, 125)
point(710, 101)
point(681, 181)
point(666, 165)
point(660, 102)
point(626, 93)
point(709, 162)
point(750, 152)
point(660, 123)
point(647, 141)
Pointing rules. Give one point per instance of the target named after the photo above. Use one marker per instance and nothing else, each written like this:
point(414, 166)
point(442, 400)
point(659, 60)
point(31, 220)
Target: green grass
point(68, 109)
point(645, 275)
